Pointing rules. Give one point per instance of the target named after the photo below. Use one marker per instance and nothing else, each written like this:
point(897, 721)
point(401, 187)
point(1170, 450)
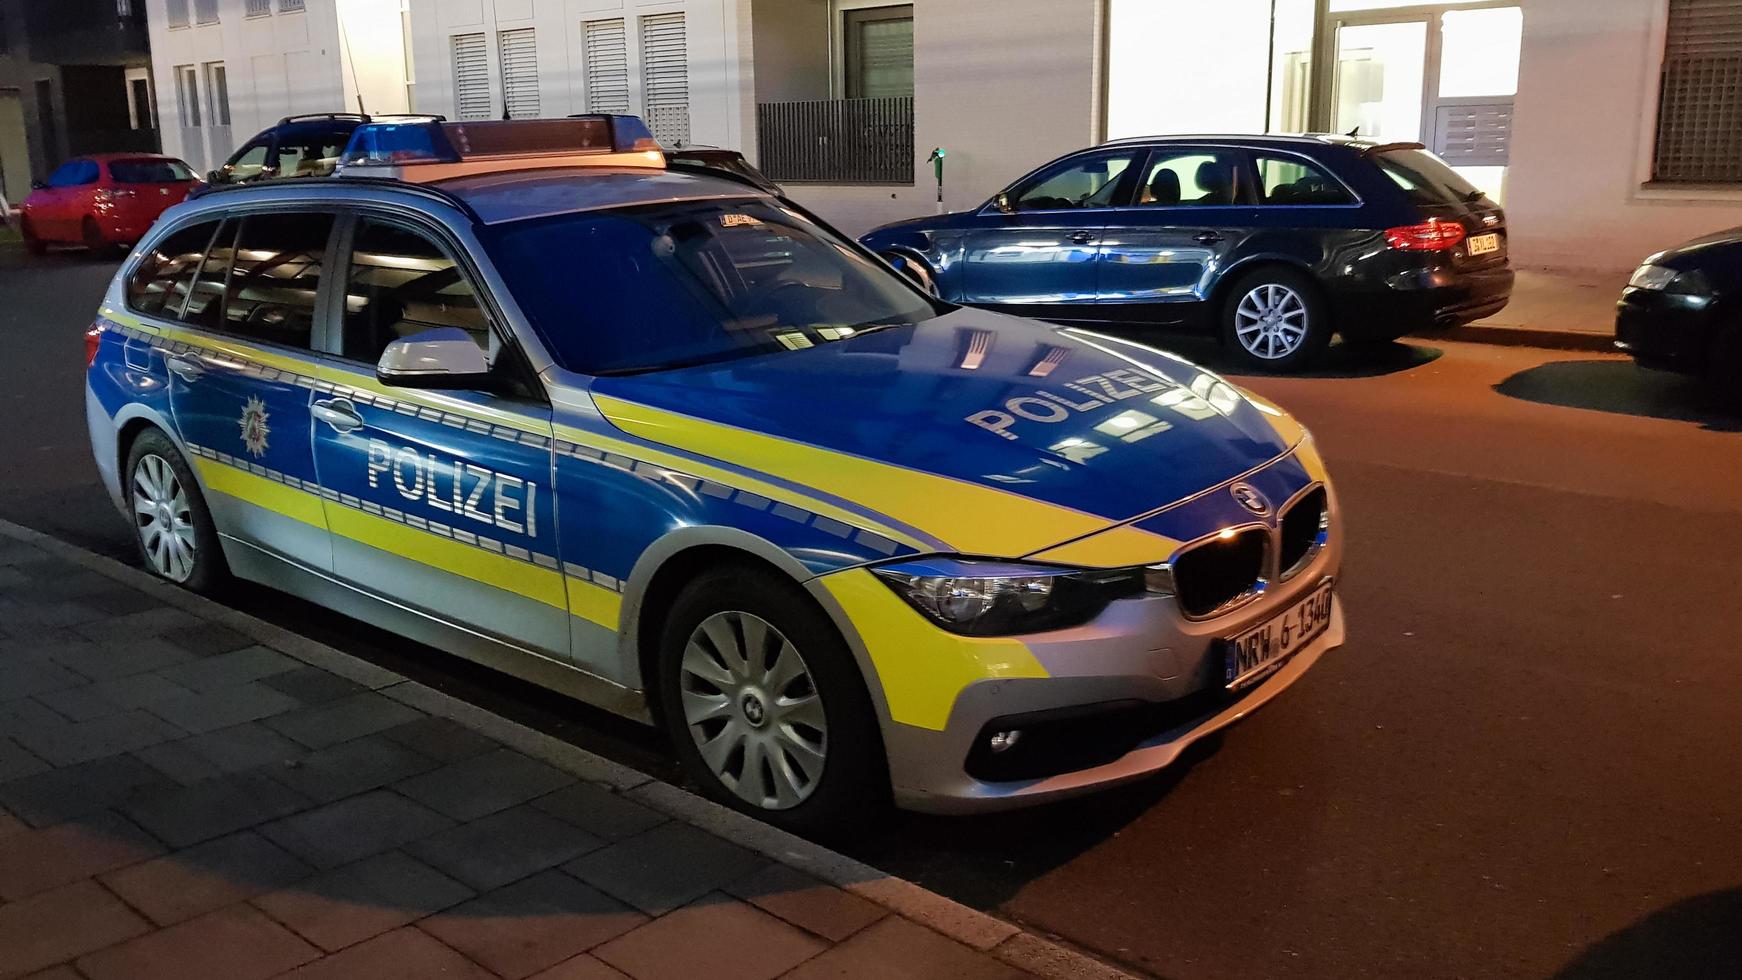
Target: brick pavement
point(189, 793)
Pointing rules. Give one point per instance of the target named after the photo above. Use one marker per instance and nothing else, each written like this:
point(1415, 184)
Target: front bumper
point(1663, 330)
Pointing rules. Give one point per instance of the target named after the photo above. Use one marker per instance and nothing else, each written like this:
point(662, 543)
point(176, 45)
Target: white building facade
point(226, 69)
point(1607, 127)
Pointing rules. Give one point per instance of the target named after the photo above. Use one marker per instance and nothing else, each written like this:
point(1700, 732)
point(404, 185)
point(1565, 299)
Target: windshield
point(671, 285)
point(1426, 178)
point(149, 171)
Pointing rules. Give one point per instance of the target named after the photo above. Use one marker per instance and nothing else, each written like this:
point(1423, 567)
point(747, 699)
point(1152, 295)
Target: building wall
point(372, 53)
point(1002, 91)
point(1582, 140)
point(791, 43)
point(276, 65)
point(1180, 66)
point(711, 31)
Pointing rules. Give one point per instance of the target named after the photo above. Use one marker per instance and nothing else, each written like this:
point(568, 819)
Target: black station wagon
point(1274, 242)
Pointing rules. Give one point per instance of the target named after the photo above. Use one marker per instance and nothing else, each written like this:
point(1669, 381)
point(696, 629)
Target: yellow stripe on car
point(509, 574)
point(973, 519)
point(595, 603)
point(290, 502)
point(922, 669)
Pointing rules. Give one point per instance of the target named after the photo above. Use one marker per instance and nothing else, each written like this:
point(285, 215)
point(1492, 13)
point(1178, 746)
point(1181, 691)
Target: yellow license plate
point(1483, 244)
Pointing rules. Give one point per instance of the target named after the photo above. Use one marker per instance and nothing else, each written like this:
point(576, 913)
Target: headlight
point(1691, 282)
point(982, 598)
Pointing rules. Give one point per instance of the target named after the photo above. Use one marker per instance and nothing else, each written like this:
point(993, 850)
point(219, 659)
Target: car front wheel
point(1274, 320)
point(174, 530)
point(765, 704)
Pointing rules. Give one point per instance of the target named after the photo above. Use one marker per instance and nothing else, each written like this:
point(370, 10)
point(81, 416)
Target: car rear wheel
point(171, 524)
point(32, 244)
point(95, 243)
point(1274, 320)
point(765, 704)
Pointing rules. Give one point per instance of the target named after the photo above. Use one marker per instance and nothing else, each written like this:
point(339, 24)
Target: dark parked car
point(1679, 313)
point(299, 146)
point(1275, 242)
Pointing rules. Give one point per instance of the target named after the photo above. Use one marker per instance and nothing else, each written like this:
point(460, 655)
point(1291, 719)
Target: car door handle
point(1082, 237)
point(338, 413)
point(183, 368)
point(1206, 238)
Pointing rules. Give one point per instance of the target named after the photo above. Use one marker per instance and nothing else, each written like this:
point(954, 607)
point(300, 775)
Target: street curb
point(978, 930)
point(1595, 343)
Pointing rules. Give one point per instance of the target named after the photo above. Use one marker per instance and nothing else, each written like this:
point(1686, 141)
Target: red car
point(102, 201)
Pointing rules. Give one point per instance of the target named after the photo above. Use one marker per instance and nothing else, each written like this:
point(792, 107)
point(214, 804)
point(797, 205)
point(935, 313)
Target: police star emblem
point(254, 429)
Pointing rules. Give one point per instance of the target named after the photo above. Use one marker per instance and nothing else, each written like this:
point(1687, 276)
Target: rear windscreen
point(1426, 178)
point(149, 171)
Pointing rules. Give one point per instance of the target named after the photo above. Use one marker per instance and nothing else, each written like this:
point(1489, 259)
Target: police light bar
point(433, 149)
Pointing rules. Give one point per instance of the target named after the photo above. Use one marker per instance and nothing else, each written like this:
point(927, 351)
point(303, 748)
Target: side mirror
point(217, 176)
point(1002, 203)
point(445, 357)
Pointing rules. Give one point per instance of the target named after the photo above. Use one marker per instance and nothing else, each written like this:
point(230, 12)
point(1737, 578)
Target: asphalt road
point(1524, 763)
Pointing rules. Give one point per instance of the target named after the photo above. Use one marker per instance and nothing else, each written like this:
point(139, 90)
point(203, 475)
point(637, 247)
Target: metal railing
point(258, 8)
point(836, 141)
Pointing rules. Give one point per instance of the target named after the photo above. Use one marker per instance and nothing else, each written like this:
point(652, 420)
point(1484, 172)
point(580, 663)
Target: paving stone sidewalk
point(187, 793)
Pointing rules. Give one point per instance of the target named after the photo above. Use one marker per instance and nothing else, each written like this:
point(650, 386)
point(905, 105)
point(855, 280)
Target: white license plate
point(1255, 653)
point(1483, 244)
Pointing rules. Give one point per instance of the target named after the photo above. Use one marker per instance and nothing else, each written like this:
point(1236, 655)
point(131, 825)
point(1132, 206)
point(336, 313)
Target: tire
point(156, 476)
point(32, 244)
point(92, 235)
point(1721, 382)
point(1274, 319)
point(813, 725)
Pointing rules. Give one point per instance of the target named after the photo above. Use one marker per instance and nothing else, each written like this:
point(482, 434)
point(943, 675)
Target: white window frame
point(130, 76)
point(189, 112)
point(210, 71)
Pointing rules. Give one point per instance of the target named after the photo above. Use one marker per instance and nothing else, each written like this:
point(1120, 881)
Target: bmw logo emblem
point(1247, 496)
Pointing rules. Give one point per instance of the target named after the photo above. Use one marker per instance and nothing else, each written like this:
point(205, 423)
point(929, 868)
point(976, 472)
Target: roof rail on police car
point(430, 149)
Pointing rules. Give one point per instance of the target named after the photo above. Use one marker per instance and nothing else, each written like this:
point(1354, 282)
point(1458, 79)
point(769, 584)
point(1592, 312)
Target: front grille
point(1303, 531)
point(1221, 570)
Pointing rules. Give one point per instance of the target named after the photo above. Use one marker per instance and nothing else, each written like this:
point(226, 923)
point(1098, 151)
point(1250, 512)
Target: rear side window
point(1292, 180)
point(1426, 179)
point(402, 283)
point(1192, 178)
point(149, 171)
point(260, 277)
point(159, 283)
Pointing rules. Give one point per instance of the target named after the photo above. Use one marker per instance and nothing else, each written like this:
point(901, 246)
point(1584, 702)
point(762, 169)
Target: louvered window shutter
point(607, 65)
point(519, 50)
point(665, 77)
point(1699, 117)
point(471, 77)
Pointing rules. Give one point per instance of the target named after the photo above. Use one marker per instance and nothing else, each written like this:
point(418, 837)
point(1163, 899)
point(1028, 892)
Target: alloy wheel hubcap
point(1271, 321)
point(164, 521)
point(753, 710)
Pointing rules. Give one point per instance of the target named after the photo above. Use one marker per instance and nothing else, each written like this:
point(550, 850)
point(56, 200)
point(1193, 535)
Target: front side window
point(159, 284)
point(1293, 180)
point(74, 173)
point(1090, 182)
point(1191, 178)
point(670, 285)
point(248, 164)
point(402, 283)
point(311, 154)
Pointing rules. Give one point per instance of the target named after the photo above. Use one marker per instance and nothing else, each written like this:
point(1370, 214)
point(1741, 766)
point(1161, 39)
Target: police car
point(670, 445)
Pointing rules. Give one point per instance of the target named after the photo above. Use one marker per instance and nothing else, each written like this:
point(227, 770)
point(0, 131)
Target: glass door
point(1444, 76)
point(1381, 79)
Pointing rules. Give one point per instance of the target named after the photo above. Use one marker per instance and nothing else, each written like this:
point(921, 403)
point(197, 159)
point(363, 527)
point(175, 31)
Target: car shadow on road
point(1338, 361)
point(1617, 387)
point(985, 860)
point(1697, 937)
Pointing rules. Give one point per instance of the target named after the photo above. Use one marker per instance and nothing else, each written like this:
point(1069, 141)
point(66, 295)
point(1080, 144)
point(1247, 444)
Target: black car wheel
point(32, 244)
point(765, 704)
point(171, 524)
point(1721, 382)
point(1274, 320)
